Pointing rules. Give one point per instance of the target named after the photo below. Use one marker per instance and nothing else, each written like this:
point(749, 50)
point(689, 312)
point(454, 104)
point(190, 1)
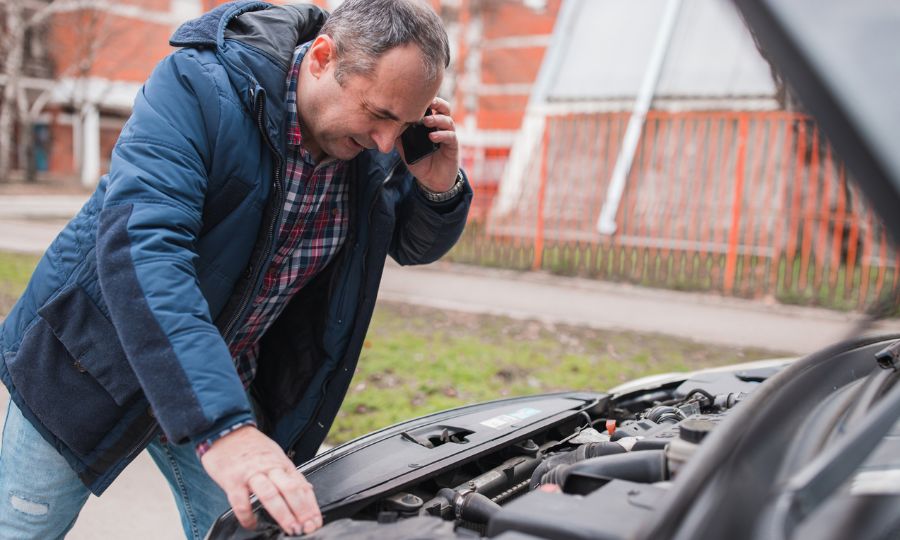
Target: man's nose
point(384, 138)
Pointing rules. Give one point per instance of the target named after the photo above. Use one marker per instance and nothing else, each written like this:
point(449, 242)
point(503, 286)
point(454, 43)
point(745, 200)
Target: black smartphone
point(416, 144)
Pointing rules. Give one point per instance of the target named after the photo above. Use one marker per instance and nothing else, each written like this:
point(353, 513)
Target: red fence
point(752, 204)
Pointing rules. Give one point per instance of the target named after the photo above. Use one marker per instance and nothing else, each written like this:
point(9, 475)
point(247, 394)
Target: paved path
point(40, 206)
point(139, 506)
point(700, 317)
point(29, 223)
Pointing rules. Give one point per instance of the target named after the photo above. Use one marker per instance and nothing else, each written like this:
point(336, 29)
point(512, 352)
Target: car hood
point(840, 59)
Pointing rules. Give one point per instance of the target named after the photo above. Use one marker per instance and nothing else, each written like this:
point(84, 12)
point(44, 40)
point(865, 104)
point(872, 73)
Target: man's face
point(366, 111)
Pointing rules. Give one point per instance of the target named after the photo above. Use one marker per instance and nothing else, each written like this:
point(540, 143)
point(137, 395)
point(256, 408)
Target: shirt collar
point(294, 134)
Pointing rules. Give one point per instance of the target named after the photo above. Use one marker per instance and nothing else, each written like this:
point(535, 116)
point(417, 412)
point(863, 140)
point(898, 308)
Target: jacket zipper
point(270, 234)
point(293, 440)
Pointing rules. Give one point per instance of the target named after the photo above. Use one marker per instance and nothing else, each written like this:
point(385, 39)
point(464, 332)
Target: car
point(786, 448)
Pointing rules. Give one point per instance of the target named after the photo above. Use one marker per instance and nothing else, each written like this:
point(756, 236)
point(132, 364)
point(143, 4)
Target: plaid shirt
point(314, 225)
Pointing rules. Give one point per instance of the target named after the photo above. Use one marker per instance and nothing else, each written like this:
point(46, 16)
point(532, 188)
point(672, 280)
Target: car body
point(805, 448)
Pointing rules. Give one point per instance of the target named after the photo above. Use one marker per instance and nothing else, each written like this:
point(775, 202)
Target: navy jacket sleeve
point(146, 253)
point(426, 230)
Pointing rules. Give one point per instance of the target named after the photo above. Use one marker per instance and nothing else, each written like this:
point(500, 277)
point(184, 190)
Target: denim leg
point(40, 495)
point(200, 500)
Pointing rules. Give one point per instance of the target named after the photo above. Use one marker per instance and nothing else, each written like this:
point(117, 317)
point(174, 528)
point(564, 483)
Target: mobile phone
point(416, 144)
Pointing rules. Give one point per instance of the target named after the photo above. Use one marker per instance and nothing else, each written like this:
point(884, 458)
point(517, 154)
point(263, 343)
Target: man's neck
point(307, 140)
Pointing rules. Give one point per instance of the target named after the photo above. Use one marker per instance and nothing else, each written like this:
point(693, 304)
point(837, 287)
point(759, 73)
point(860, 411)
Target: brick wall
point(62, 158)
point(510, 49)
point(91, 43)
point(500, 50)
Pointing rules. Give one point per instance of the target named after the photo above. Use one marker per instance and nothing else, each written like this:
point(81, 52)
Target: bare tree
point(12, 48)
point(24, 23)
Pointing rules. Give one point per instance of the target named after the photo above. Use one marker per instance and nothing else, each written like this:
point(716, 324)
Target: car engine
point(529, 465)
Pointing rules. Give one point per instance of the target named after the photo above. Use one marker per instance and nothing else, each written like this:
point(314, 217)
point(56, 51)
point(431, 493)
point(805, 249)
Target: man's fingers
point(441, 121)
point(239, 499)
point(300, 498)
point(440, 106)
point(444, 138)
point(262, 468)
point(271, 499)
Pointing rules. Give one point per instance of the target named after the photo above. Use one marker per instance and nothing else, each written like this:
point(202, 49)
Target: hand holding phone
point(416, 144)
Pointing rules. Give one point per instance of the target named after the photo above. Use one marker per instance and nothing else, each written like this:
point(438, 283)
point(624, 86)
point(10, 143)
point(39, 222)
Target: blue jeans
point(41, 496)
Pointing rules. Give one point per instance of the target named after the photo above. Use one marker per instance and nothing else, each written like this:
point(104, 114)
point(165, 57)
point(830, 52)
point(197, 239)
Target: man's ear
point(321, 55)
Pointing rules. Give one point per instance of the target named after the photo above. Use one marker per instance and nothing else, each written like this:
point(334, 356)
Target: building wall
point(500, 47)
point(91, 43)
point(62, 151)
point(514, 39)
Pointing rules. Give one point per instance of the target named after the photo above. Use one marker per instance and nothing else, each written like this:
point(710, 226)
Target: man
point(210, 300)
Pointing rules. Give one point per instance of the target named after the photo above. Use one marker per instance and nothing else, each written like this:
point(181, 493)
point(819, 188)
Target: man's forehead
point(400, 88)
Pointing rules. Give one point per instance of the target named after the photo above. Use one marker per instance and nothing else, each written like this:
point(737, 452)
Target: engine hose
point(472, 506)
point(665, 415)
point(585, 476)
point(585, 451)
point(499, 480)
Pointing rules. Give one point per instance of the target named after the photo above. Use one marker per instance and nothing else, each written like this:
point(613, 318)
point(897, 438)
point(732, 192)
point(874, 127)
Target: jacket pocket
point(72, 372)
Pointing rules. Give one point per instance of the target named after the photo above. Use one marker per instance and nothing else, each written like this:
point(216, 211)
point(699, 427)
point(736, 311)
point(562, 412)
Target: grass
point(15, 269)
point(419, 360)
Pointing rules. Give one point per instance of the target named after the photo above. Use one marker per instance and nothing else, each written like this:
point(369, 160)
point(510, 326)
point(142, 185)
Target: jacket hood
point(273, 30)
point(208, 30)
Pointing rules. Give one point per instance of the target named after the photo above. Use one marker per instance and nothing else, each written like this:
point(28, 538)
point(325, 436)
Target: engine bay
point(537, 466)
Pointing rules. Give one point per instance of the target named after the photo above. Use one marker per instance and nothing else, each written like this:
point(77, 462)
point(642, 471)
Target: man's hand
point(246, 461)
point(437, 172)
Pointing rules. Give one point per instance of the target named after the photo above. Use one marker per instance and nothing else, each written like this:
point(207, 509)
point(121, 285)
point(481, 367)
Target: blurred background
point(649, 197)
point(725, 185)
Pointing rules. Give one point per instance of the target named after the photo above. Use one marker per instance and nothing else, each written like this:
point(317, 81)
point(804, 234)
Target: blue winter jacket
point(120, 331)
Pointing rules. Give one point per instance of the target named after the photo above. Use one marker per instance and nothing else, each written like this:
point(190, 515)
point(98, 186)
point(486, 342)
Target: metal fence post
point(738, 201)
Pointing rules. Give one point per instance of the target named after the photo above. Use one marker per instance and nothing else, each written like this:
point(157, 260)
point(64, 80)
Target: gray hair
point(363, 30)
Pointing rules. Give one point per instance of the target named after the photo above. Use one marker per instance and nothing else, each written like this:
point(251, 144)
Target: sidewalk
point(617, 306)
point(30, 222)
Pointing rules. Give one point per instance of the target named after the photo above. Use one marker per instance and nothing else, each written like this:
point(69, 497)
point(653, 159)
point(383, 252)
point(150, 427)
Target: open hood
point(840, 58)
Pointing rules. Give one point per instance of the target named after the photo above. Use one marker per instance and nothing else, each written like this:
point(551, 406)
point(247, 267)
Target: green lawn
point(15, 269)
point(419, 360)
